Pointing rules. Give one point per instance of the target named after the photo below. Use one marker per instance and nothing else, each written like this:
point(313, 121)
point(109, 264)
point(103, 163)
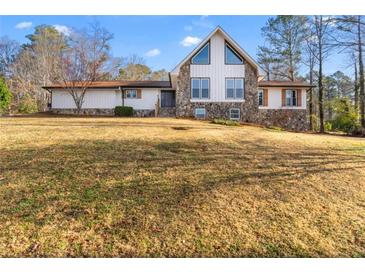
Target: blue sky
point(162, 40)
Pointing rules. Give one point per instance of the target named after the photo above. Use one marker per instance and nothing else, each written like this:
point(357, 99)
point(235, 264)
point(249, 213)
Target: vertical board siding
point(92, 99)
point(147, 100)
point(217, 71)
point(108, 98)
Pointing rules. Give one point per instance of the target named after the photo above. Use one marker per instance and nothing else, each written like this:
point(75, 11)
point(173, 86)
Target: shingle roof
point(284, 84)
point(117, 84)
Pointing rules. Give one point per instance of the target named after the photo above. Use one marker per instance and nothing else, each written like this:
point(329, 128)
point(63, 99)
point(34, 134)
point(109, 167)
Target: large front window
point(235, 88)
point(291, 98)
point(200, 88)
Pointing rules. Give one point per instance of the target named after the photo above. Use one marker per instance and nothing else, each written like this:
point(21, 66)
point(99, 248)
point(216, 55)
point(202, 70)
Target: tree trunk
point(123, 96)
point(361, 76)
point(310, 93)
point(356, 87)
point(320, 92)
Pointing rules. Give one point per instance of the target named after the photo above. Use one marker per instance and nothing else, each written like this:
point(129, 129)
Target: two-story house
point(217, 79)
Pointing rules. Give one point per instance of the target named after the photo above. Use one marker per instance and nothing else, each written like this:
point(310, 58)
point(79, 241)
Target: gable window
point(200, 88)
point(131, 93)
point(261, 97)
point(291, 98)
point(200, 113)
point(234, 113)
point(202, 57)
point(232, 57)
point(235, 88)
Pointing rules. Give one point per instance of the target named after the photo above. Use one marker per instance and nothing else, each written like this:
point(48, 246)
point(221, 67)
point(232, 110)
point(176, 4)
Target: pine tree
point(5, 96)
point(284, 35)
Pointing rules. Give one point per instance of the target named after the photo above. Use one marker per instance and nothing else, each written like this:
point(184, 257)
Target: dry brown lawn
point(119, 187)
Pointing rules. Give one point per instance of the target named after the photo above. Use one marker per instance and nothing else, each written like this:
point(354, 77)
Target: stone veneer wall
point(292, 119)
point(167, 112)
point(84, 111)
point(185, 108)
point(143, 112)
point(101, 112)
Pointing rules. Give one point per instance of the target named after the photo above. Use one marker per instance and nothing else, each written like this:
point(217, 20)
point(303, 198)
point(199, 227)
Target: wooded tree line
point(84, 56)
point(298, 47)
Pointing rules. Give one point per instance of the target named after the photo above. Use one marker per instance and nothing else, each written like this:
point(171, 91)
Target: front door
point(167, 98)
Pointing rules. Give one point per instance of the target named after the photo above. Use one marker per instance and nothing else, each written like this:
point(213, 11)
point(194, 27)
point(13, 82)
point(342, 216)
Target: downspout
point(122, 90)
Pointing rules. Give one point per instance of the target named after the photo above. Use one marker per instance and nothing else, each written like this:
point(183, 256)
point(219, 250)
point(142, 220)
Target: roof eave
point(287, 86)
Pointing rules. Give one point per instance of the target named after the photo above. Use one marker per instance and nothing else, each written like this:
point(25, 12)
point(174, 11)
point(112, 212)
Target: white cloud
point(190, 41)
point(63, 29)
point(188, 28)
point(203, 22)
point(153, 52)
point(24, 25)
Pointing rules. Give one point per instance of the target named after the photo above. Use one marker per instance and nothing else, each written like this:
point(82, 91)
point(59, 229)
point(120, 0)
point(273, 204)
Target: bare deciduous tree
point(353, 30)
point(9, 49)
point(84, 61)
point(321, 28)
point(309, 60)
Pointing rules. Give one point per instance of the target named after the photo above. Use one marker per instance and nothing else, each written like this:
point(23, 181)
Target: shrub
point(123, 111)
point(27, 105)
point(346, 118)
point(225, 122)
point(5, 96)
point(328, 126)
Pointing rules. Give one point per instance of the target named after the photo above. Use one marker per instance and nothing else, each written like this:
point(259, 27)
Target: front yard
point(148, 187)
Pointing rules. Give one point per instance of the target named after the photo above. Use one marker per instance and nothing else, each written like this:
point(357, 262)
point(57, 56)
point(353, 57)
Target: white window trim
point(239, 114)
point(234, 89)
point(200, 89)
point(205, 113)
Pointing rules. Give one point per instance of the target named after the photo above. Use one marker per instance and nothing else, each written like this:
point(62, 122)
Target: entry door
point(167, 98)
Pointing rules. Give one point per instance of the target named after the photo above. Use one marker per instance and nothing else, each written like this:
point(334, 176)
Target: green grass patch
point(225, 122)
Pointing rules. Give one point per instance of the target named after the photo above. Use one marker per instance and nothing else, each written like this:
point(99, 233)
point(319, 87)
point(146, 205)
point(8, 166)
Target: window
point(239, 87)
point(167, 98)
point(203, 56)
point(291, 98)
point(232, 57)
point(234, 88)
point(200, 113)
point(261, 97)
point(234, 113)
point(131, 93)
point(200, 88)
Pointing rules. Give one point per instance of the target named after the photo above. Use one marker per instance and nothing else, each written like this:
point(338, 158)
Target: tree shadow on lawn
point(93, 122)
point(135, 195)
